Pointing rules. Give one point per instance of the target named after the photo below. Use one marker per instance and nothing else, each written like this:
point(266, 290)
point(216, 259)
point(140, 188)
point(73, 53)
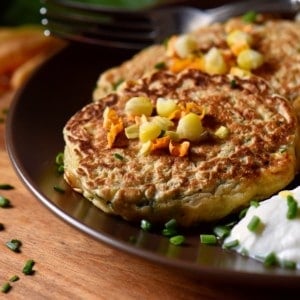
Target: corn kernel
point(185, 45)
point(190, 127)
point(236, 71)
point(145, 148)
point(132, 131)
point(173, 135)
point(250, 59)
point(165, 107)
point(138, 106)
point(238, 41)
point(222, 132)
point(162, 122)
point(149, 131)
point(214, 62)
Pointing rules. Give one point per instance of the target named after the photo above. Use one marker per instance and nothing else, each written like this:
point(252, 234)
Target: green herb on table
point(5, 288)
point(1, 227)
point(28, 267)
point(14, 245)
point(233, 84)
point(4, 202)
point(5, 186)
point(14, 278)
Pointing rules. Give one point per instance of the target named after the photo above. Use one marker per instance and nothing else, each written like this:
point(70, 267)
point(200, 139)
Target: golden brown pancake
point(277, 39)
point(217, 176)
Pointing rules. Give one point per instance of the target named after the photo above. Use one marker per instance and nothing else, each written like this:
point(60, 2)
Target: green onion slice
point(292, 207)
point(146, 225)
point(27, 269)
point(231, 244)
point(209, 239)
point(5, 287)
point(254, 223)
point(177, 240)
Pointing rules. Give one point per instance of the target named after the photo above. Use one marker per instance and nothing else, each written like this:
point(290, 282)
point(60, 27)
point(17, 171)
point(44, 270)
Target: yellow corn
point(162, 122)
point(149, 131)
point(250, 59)
point(236, 71)
point(238, 41)
point(138, 106)
point(185, 45)
point(190, 127)
point(222, 132)
point(165, 107)
point(132, 131)
point(214, 62)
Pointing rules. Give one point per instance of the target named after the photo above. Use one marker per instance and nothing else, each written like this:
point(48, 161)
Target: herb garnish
point(14, 245)
point(4, 202)
point(250, 17)
point(27, 269)
point(6, 186)
point(5, 287)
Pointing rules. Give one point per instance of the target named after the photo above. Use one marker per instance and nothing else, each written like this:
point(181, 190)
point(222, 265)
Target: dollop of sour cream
point(274, 234)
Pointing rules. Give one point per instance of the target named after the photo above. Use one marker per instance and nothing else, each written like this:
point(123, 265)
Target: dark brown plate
point(34, 137)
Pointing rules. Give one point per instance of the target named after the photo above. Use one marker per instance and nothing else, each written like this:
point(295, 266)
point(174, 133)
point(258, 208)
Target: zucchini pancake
point(185, 145)
point(242, 46)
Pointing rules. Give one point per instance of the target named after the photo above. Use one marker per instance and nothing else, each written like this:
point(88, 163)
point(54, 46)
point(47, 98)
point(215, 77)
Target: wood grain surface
point(72, 265)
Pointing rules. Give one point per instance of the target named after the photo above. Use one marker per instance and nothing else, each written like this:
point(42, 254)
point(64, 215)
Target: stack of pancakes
point(218, 176)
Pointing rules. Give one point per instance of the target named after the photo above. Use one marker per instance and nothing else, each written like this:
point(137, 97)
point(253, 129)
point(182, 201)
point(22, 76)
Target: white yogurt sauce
point(276, 233)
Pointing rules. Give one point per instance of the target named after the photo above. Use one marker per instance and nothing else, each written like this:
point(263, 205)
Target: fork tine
point(103, 38)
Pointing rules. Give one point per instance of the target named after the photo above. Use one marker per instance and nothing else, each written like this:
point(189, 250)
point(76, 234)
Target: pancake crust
point(216, 178)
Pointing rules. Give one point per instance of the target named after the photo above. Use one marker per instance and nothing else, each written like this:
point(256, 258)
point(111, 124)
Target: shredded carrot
point(113, 124)
point(179, 149)
point(160, 143)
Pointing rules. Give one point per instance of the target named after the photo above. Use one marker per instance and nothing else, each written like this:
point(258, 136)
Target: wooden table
point(71, 265)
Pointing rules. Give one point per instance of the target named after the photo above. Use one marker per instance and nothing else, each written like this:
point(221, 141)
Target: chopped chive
point(6, 186)
point(5, 287)
point(292, 207)
point(60, 169)
point(221, 231)
point(146, 225)
point(177, 240)
point(288, 264)
point(27, 269)
point(59, 189)
point(4, 202)
point(231, 244)
point(270, 260)
point(172, 223)
point(118, 156)
point(59, 159)
point(209, 239)
point(160, 65)
point(254, 203)
point(14, 278)
point(254, 223)
point(14, 245)
point(162, 133)
point(249, 17)
point(244, 252)
point(169, 232)
point(1, 226)
point(243, 213)
point(117, 83)
point(233, 84)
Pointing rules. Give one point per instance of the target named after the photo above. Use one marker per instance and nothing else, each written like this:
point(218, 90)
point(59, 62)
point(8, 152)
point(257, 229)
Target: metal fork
point(139, 29)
